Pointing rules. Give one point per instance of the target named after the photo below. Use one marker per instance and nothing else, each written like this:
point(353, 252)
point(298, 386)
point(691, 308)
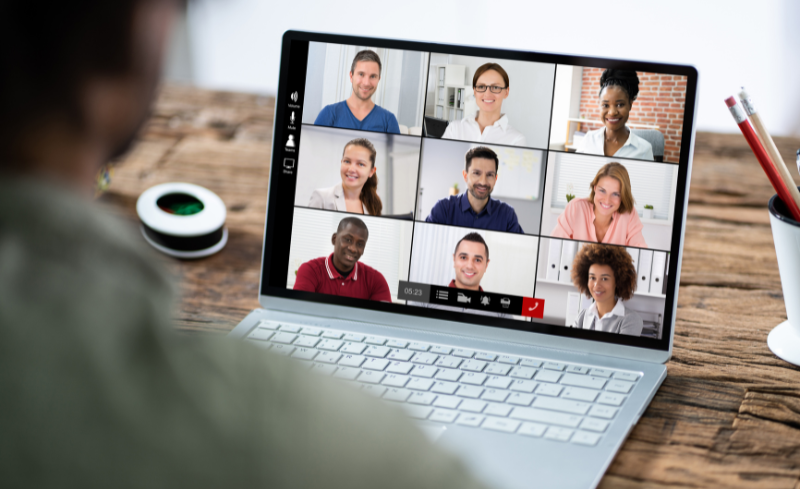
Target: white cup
point(784, 340)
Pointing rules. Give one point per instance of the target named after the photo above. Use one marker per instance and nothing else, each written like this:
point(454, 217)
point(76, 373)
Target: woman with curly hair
point(607, 275)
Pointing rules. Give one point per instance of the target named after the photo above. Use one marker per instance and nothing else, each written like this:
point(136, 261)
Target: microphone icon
point(291, 118)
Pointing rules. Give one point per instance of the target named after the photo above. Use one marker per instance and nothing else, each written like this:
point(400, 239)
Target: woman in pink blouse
point(607, 216)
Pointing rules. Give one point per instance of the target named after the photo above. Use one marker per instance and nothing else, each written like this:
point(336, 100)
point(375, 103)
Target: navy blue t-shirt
point(456, 211)
point(339, 115)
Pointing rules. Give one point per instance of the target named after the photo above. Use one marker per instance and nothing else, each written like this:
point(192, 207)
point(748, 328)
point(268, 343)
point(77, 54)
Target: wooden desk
point(728, 413)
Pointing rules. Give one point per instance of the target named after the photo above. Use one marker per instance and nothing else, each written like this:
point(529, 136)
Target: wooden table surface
point(728, 414)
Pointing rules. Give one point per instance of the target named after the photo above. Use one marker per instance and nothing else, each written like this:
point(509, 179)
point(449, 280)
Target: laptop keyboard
point(479, 389)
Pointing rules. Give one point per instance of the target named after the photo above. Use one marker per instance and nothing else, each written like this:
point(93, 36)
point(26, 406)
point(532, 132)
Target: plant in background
point(648, 206)
point(454, 189)
point(570, 189)
point(648, 211)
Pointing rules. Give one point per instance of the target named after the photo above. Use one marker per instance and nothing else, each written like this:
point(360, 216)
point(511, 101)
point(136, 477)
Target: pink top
point(577, 222)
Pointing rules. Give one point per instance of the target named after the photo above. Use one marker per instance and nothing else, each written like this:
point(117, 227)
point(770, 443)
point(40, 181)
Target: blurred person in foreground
point(97, 391)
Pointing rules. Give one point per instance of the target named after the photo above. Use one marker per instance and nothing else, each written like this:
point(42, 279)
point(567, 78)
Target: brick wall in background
point(661, 103)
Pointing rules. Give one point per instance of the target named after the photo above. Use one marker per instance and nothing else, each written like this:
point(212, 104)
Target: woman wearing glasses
point(490, 125)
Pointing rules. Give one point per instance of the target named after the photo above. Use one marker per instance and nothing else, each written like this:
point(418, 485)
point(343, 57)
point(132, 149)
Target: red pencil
point(763, 158)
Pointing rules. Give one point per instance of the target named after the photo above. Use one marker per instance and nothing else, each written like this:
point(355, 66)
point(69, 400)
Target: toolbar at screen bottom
point(471, 299)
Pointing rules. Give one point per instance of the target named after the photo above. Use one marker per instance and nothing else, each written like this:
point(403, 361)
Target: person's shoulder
point(500, 205)
point(315, 264)
point(369, 272)
point(448, 201)
point(578, 205)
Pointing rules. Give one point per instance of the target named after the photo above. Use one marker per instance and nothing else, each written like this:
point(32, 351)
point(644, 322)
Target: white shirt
point(635, 147)
point(500, 132)
point(602, 323)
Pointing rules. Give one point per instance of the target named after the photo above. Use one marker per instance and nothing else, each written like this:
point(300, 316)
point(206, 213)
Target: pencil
point(769, 144)
point(762, 157)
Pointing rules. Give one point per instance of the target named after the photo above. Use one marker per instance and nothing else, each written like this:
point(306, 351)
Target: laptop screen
point(503, 188)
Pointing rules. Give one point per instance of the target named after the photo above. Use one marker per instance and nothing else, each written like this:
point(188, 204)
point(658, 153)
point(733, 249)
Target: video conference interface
point(519, 190)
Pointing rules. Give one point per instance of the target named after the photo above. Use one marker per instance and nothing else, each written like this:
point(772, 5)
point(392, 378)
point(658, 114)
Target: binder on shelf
point(553, 260)
point(666, 276)
point(657, 274)
point(573, 308)
point(645, 266)
point(568, 250)
point(634, 252)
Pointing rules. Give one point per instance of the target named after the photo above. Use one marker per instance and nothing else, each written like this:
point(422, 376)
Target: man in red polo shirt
point(470, 260)
point(340, 273)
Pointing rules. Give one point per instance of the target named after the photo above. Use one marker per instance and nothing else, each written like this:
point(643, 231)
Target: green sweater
point(96, 390)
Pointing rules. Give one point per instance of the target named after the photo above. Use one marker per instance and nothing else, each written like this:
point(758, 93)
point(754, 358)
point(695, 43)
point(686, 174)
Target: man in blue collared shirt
point(475, 208)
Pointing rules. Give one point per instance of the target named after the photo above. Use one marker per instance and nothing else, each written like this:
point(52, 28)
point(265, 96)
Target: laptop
point(510, 286)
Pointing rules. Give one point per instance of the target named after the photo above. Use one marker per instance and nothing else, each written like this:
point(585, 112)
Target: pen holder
point(784, 339)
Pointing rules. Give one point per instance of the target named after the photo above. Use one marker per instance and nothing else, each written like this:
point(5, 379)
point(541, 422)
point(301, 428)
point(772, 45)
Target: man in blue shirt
point(359, 111)
point(475, 208)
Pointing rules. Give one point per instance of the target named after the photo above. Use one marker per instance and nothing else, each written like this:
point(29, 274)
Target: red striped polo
point(364, 282)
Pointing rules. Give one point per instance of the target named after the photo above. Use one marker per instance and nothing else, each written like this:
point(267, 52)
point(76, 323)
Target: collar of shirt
point(334, 275)
point(592, 314)
point(452, 285)
point(338, 194)
point(501, 123)
point(466, 206)
point(631, 141)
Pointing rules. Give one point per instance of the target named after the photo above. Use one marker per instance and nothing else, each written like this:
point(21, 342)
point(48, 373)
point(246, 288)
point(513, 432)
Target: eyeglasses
point(493, 88)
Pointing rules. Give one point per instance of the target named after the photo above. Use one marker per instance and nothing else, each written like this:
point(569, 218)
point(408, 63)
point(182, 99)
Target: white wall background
point(235, 44)
point(387, 250)
point(320, 159)
point(519, 182)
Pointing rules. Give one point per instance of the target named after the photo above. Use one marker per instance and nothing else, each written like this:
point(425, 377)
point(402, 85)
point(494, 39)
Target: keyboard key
point(605, 412)
point(307, 342)
point(575, 369)
point(552, 390)
point(558, 434)
point(615, 386)
point(267, 324)
point(284, 338)
point(352, 361)
point(522, 373)
point(461, 352)
point(473, 420)
point(472, 406)
point(311, 331)
point(329, 357)
point(375, 390)
point(473, 366)
point(498, 382)
point(376, 351)
point(400, 355)
point(497, 369)
point(260, 344)
point(524, 386)
point(417, 412)
point(396, 394)
point(530, 362)
point(449, 402)
point(330, 345)
point(399, 368)
point(291, 328)
point(532, 429)
point(486, 357)
point(334, 335)
point(449, 375)
point(578, 394)
point(354, 337)
point(353, 348)
point(592, 424)
point(305, 354)
point(420, 384)
point(628, 376)
point(548, 376)
point(584, 438)
point(554, 366)
point(371, 377)
point(324, 369)
point(425, 358)
point(347, 373)
point(443, 416)
point(261, 334)
point(583, 381)
point(508, 360)
point(601, 372)
point(283, 350)
point(397, 344)
point(500, 424)
point(425, 371)
point(424, 398)
point(448, 388)
point(473, 378)
point(417, 346)
point(495, 395)
point(471, 391)
point(495, 409)
point(562, 405)
point(441, 350)
point(393, 380)
point(520, 399)
point(375, 340)
point(542, 416)
point(375, 364)
point(611, 399)
point(448, 362)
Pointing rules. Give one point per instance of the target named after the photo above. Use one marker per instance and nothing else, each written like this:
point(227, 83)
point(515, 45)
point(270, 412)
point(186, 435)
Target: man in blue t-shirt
point(359, 111)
